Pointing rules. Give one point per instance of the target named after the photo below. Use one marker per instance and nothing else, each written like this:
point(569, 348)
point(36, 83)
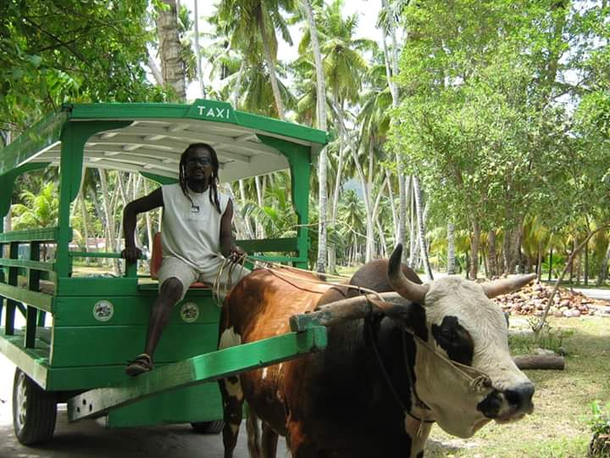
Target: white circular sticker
point(189, 312)
point(103, 310)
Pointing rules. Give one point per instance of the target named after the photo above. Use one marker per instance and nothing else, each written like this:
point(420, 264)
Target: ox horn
point(401, 284)
point(506, 285)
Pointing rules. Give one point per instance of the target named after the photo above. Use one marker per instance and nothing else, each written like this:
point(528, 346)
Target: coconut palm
point(253, 25)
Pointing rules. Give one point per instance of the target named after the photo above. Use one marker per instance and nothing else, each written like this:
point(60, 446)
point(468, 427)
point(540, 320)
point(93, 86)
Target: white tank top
point(191, 231)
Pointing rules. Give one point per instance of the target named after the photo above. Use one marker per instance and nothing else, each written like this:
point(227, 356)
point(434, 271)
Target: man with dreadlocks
point(196, 239)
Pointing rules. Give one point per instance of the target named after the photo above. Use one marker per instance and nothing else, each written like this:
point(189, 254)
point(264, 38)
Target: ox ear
point(401, 284)
point(506, 285)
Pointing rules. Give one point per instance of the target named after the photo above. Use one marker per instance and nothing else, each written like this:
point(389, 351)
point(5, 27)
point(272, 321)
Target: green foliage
point(487, 120)
point(40, 208)
point(549, 338)
point(54, 51)
point(599, 423)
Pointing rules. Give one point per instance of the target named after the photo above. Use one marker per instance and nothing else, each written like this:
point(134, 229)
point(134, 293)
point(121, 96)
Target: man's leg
point(173, 276)
point(170, 293)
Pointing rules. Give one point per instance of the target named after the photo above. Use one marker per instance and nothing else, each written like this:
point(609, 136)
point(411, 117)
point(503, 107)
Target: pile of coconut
point(532, 299)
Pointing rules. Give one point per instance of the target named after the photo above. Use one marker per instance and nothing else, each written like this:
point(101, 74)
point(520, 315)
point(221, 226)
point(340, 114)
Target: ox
point(436, 353)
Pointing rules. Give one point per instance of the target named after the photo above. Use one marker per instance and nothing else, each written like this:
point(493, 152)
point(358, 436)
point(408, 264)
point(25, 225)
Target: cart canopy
point(152, 136)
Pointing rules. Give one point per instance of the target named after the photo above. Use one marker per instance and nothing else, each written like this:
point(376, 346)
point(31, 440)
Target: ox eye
point(448, 334)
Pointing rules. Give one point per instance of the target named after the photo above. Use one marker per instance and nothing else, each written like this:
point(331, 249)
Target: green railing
point(30, 301)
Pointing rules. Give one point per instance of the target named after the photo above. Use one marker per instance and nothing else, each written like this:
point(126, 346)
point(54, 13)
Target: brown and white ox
point(380, 383)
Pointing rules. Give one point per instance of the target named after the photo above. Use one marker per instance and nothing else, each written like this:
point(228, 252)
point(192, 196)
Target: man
point(196, 239)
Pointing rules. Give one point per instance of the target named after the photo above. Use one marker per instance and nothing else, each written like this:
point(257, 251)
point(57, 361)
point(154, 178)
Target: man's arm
point(226, 240)
point(153, 200)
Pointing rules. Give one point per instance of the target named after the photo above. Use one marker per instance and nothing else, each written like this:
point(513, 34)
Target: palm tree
point(40, 209)
point(170, 49)
point(253, 25)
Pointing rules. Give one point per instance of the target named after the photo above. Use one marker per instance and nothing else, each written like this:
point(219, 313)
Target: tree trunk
point(512, 248)
point(155, 70)
point(197, 49)
point(107, 205)
point(413, 253)
point(247, 220)
point(450, 249)
point(236, 92)
point(269, 60)
point(421, 225)
point(493, 255)
point(172, 65)
point(586, 272)
point(551, 264)
point(260, 195)
point(475, 242)
point(603, 271)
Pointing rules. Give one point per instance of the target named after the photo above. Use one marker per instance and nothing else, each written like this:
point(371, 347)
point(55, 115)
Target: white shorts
point(175, 268)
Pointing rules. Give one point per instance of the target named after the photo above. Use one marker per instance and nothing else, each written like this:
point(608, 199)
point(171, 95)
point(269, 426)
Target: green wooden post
point(299, 158)
point(73, 138)
point(33, 285)
point(11, 305)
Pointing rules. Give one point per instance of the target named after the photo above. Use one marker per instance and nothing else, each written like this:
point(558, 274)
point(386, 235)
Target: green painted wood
point(94, 254)
point(36, 265)
point(73, 138)
point(112, 286)
point(158, 178)
point(281, 259)
point(32, 361)
point(202, 368)
point(92, 286)
point(34, 235)
point(135, 111)
point(267, 245)
point(11, 305)
point(299, 158)
point(105, 345)
point(127, 310)
point(38, 137)
point(41, 301)
point(192, 404)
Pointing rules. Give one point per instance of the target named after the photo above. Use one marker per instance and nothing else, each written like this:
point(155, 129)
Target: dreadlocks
point(213, 179)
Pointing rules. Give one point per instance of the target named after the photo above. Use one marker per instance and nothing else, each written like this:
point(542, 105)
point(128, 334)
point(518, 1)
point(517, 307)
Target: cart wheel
point(34, 411)
point(208, 427)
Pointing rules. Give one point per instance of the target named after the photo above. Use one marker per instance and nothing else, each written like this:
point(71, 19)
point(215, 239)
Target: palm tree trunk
point(269, 60)
point(421, 226)
point(247, 220)
point(198, 50)
point(413, 241)
point(237, 87)
point(172, 65)
point(155, 70)
point(260, 195)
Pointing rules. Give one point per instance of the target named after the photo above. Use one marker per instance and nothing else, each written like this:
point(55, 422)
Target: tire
point(34, 411)
point(208, 427)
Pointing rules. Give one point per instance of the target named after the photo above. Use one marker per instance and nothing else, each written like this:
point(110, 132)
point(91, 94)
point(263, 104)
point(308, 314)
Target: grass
point(560, 424)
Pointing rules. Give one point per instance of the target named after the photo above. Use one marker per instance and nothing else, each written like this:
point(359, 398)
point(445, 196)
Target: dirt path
point(87, 439)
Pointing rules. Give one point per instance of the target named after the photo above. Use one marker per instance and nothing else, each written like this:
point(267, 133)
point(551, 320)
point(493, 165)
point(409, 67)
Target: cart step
point(198, 369)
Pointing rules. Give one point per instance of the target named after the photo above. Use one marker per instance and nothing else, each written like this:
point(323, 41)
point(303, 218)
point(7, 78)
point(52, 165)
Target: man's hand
point(237, 254)
point(131, 254)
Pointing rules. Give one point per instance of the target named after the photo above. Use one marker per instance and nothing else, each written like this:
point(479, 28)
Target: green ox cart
point(81, 329)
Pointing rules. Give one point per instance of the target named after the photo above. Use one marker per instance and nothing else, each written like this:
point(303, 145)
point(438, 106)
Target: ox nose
point(520, 396)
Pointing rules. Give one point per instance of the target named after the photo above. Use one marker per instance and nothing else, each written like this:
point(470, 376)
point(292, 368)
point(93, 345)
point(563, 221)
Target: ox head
point(462, 324)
